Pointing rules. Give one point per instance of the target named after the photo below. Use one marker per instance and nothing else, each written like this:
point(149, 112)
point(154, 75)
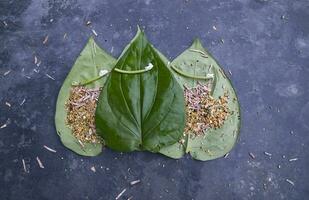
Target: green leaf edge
point(179, 154)
point(164, 59)
point(64, 132)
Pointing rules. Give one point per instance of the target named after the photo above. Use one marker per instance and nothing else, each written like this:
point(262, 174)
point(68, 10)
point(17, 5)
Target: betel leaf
point(90, 62)
point(198, 62)
point(140, 109)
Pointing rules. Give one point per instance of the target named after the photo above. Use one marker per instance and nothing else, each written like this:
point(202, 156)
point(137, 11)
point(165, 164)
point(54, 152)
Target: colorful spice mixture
point(81, 107)
point(203, 111)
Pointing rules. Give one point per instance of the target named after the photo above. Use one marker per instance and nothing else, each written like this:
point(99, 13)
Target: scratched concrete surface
point(264, 43)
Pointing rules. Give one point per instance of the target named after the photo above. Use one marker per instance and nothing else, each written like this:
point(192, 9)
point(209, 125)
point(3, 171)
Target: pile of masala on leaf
point(202, 111)
point(81, 107)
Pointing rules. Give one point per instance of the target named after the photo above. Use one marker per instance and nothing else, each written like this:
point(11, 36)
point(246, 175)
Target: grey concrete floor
point(266, 47)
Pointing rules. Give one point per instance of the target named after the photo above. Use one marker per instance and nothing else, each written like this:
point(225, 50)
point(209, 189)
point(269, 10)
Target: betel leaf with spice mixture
point(204, 80)
point(87, 71)
point(141, 106)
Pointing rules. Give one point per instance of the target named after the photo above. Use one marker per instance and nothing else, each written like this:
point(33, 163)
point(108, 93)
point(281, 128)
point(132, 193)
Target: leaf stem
point(88, 81)
point(207, 77)
point(131, 72)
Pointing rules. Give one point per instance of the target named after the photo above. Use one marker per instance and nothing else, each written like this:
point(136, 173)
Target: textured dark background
point(264, 43)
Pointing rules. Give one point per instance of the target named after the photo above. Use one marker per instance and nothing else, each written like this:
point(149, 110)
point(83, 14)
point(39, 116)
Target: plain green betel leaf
point(91, 60)
point(197, 61)
point(140, 109)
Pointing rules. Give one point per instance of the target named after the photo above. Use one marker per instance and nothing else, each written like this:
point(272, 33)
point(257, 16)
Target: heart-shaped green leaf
point(91, 61)
point(198, 62)
point(140, 109)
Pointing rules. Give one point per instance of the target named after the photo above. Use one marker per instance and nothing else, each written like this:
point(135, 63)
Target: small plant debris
point(94, 32)
point(81, 107)
point(45, 40)
point(22, 102)
point(5, 24)
point(252, 155)
point(24, 166)
point(50, 149)
point(49, 76)
point(36, 60)
point(40, 162)
point(290, 182)
point(293, 159)
point(93, 169)
point(120, 194)
point(135, 182)
point(5, 124)
point(203, 111)
point(6, 73)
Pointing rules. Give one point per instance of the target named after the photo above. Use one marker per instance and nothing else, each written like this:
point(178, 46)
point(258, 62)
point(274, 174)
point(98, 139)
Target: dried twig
point(81, 144)
point(39, 162)
point(45, 40)
point(39, 63)
point(28, 77)
point(6, 73)
point(290, 182)
point(24, 165)
point(94, 32)
point(35, 60)
point(23, 101)
point(198, 51)
point(230, 72)
point(293, 159)
point(135, 182)
point(121, 193)
point(5, 124)
point(252, 155)
point(49, 76)
point(49, 149)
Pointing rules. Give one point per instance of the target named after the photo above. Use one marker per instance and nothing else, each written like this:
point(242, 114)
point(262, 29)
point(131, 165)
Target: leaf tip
point(197, 44)
point(139, 34)
point(139, 30)
point(91, 39)
point(197, 41)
